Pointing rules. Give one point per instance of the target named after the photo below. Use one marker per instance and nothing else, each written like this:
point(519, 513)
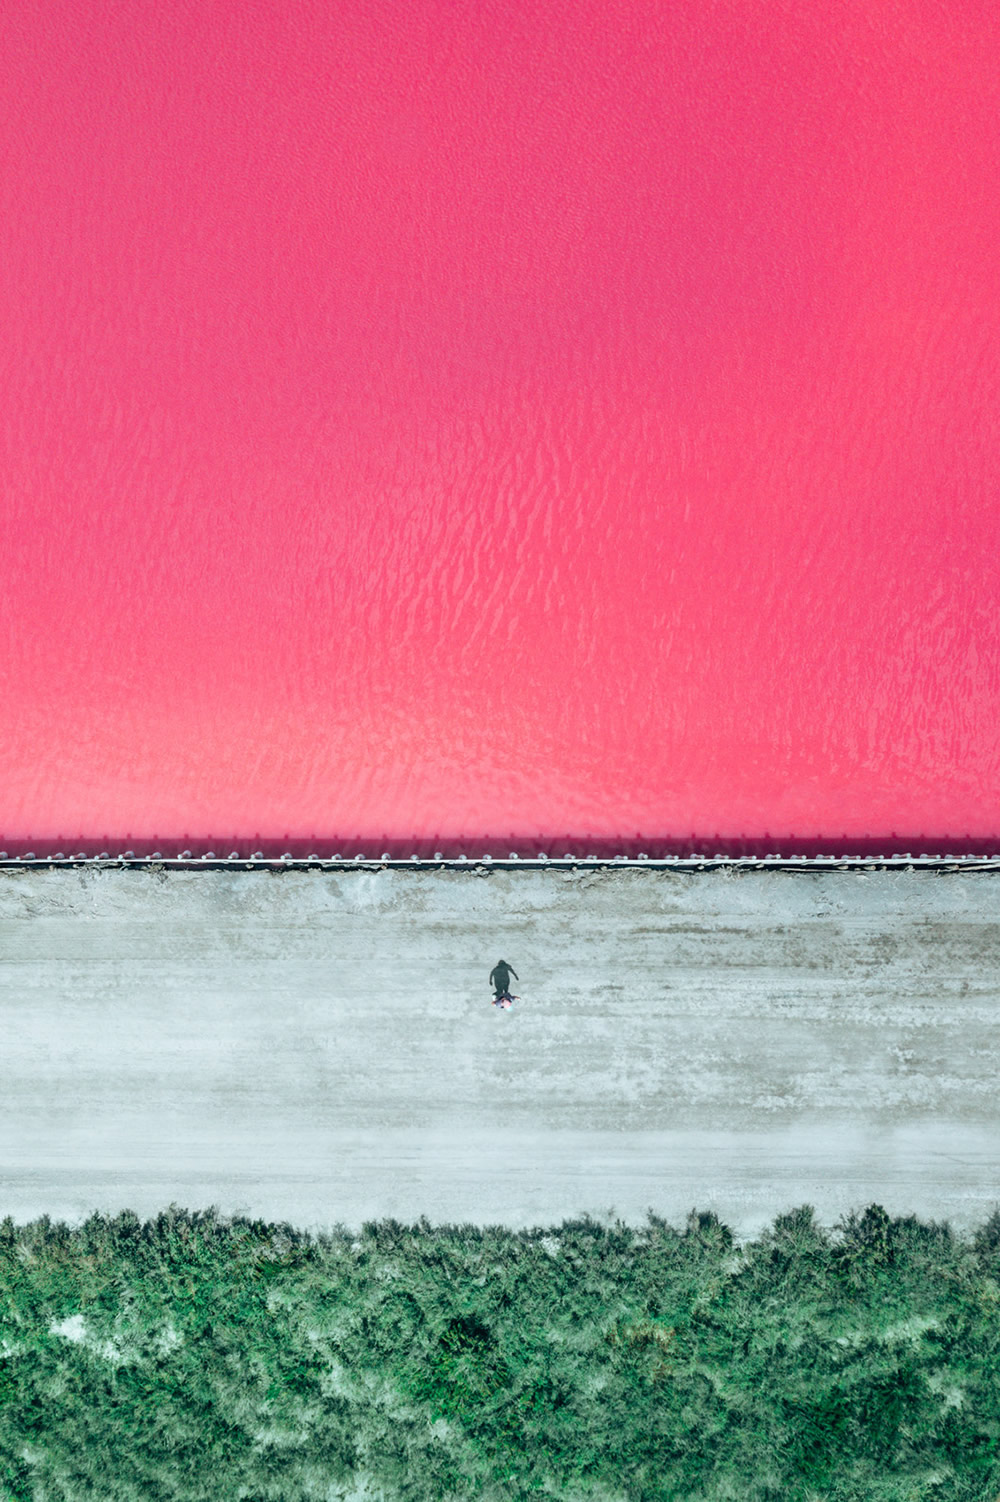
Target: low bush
point(199, 1357)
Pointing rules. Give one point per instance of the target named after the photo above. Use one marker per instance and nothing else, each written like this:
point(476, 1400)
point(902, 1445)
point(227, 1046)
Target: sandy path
point(321, 1047)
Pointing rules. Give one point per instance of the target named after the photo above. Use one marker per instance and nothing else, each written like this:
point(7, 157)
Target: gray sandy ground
point(321, 1047)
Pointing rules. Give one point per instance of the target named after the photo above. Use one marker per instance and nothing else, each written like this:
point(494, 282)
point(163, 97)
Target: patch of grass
point(195, 1357)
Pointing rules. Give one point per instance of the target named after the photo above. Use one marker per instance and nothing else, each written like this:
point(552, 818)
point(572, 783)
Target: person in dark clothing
point(500, 980)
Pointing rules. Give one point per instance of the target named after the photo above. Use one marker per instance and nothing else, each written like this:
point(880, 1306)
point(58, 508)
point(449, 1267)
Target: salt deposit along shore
point(320, 1047)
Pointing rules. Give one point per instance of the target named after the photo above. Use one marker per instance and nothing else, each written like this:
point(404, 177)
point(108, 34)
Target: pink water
point(438, 419)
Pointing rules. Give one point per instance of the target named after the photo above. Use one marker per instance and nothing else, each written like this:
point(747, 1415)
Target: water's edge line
point(481, 865)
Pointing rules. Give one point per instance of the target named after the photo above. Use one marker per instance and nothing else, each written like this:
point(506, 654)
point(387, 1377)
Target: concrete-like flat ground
point(321, 1047)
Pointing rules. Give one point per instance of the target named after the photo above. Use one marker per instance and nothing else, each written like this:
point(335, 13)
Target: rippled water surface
point(447, 419)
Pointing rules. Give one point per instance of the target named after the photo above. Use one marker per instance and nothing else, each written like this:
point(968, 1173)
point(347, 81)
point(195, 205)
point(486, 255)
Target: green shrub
point(197, 1357)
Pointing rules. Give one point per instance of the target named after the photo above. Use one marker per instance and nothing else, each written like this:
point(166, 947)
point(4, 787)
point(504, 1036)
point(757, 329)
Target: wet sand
point(321, 1047)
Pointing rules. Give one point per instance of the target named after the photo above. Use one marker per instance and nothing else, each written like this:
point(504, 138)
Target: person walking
point(500, 981)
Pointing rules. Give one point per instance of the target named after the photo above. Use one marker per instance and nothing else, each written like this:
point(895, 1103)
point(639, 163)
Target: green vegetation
point(195, 1357)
